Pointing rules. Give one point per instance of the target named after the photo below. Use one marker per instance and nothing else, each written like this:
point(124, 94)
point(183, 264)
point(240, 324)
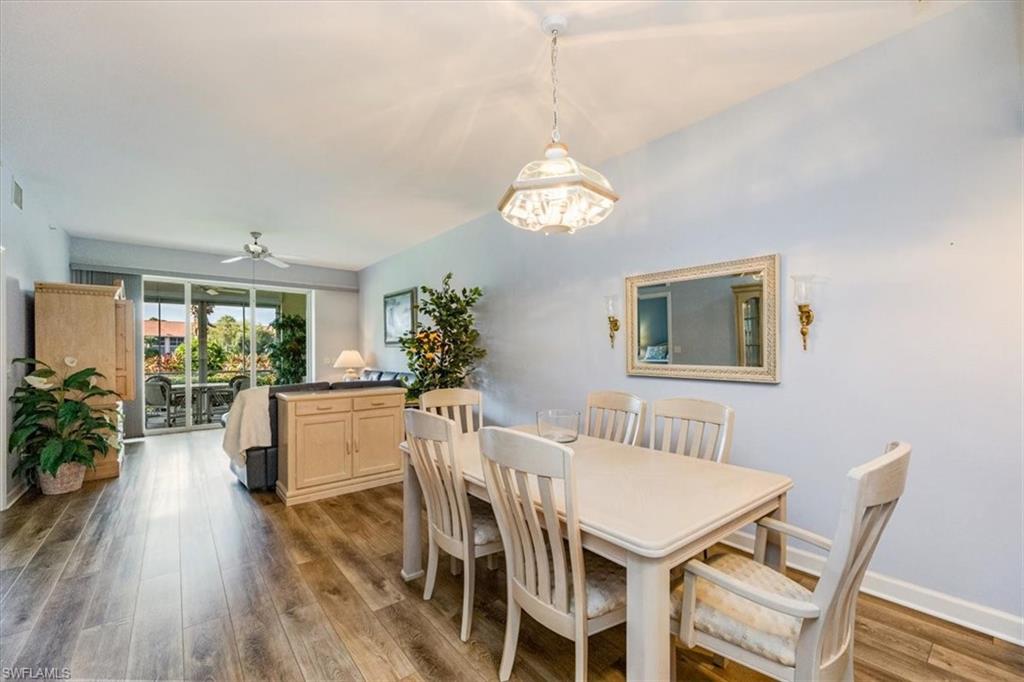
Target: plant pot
point(68, 479)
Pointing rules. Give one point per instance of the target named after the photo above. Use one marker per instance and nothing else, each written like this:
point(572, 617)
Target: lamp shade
point(349, 359)
point(802, 285)
point(557, 194)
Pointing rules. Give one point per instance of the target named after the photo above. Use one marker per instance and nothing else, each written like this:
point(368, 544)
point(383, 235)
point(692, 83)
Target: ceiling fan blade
point(234, 260)
point(276, 261)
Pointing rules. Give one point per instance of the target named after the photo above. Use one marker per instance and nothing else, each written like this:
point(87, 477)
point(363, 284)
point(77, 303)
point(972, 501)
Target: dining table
point(646, 510)
point(202, 391)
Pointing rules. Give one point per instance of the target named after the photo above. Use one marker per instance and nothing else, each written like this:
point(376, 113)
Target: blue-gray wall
point(33, 252)
point(335, 313)
point(197, 263)
point(895, 176)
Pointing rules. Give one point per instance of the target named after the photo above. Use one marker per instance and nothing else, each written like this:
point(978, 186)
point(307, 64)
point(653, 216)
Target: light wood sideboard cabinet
point(92, 324)
point(335, 442)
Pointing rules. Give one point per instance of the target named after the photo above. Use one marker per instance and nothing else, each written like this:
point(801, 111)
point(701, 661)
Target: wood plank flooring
point(175, 571)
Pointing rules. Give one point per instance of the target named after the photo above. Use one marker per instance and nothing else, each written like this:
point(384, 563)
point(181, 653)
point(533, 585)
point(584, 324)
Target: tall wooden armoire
point(94, 325)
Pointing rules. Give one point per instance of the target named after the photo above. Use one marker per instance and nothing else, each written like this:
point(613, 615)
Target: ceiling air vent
point(16, 194)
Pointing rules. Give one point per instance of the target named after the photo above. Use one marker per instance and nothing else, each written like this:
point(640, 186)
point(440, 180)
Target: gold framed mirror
point(717, 321)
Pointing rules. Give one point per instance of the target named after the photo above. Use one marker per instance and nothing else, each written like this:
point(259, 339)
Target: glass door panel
point(280, 329)
point(164, 364)
point(220, 362)
point(206, 342)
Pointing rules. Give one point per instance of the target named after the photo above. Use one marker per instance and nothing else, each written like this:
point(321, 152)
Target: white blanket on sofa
point(248, 423)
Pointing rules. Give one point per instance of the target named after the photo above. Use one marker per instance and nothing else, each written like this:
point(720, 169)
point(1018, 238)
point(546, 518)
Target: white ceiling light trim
point(557, 194)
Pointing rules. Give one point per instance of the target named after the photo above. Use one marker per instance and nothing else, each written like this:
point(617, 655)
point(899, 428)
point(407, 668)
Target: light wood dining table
point(645, 510)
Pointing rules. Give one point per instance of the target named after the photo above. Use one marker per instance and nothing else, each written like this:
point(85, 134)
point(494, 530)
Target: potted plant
point(443, 353)
point(56, 432)
point(288, 351)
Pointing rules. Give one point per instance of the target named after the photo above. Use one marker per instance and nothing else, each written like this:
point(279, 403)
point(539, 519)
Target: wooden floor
point(175, 571)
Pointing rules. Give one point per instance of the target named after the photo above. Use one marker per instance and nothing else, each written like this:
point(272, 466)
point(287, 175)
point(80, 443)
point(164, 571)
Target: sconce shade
point(802, 289)
point(349, 359)
point(557, 194)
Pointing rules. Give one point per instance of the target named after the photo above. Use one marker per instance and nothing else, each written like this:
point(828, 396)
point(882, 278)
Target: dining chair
point(614, 415)
point(546, 576)
point(157, 393)
point(456, 404)
point(463, 527)
point(238, 383)
point(696, 428)
point(220, 401)
point(741, 609)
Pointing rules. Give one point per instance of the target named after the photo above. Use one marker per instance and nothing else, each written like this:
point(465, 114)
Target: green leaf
point(80, 380)
point(50, 457)
point(29, 361)
point(68, 413)
point(94, 392)
point(20, 437)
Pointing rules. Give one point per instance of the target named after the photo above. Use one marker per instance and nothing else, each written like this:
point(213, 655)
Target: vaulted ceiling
point(349, 131)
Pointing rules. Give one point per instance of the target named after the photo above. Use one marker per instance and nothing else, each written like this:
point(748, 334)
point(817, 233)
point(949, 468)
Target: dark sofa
point(260, 470)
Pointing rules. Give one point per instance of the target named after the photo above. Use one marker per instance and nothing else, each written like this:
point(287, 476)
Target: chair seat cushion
point(737, 620)
point(485, 527)
point(606, 586)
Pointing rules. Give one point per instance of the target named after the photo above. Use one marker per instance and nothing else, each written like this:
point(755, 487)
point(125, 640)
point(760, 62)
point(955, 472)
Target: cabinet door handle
point(323, 408)
point(378, 403)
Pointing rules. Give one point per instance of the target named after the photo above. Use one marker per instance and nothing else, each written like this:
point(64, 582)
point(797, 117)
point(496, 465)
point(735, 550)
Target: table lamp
point(350, 361)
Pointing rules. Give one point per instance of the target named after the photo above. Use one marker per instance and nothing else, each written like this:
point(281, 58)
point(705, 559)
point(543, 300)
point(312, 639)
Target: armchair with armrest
point(741, 609)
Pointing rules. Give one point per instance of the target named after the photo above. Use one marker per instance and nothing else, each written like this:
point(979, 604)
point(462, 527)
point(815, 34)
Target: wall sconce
point(612, 303)
point(802, 298)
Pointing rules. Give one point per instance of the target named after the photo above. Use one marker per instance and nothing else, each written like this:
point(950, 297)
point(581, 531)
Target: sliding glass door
point(221, 362)
point(280, 330)
point(164, 325)
point(206, 341)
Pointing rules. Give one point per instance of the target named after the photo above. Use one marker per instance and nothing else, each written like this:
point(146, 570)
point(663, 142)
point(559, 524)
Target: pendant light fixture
point(558, 193)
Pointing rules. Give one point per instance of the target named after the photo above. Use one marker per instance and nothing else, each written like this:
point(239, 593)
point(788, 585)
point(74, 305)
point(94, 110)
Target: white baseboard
point(15, 494)
point(977, 617)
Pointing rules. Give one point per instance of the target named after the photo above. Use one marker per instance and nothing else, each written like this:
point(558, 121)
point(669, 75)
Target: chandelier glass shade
point(557, 194)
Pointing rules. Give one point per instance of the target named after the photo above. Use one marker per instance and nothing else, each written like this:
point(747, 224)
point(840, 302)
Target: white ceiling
point(347, 132)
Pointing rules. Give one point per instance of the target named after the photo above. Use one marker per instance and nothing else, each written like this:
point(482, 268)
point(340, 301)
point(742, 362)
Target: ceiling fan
point(257, 251)
point(217, 291)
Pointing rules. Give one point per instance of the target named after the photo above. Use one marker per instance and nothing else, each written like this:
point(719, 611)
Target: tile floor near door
point(176, 571)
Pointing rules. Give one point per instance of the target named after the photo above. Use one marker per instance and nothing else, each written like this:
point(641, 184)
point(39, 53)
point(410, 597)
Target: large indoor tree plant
point(288, 351)
point(56, 431)
point(443, 353)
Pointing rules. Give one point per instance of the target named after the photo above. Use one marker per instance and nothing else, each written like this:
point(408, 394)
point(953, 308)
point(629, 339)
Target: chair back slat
point(695, 428)
point(560, 596)
point(456, 404)
point(527, 565)
point(536, 537)
point(872, 492)
point(615, 416)
point(444, 464)
point(439, 470)
point(526, 476)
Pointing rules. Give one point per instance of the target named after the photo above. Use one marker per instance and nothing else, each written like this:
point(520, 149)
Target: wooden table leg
point(412, 505)
point(775, 546)
point(648, 655)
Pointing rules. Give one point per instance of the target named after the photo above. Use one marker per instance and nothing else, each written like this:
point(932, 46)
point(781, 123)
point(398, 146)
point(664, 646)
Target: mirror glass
point(712, 321)
point(715, 321)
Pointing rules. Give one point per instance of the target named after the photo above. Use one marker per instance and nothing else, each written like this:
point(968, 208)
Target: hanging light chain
point(555, 136)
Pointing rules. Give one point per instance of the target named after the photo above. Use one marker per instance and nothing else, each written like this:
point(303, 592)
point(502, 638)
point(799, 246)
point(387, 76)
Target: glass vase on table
point(561, 426)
